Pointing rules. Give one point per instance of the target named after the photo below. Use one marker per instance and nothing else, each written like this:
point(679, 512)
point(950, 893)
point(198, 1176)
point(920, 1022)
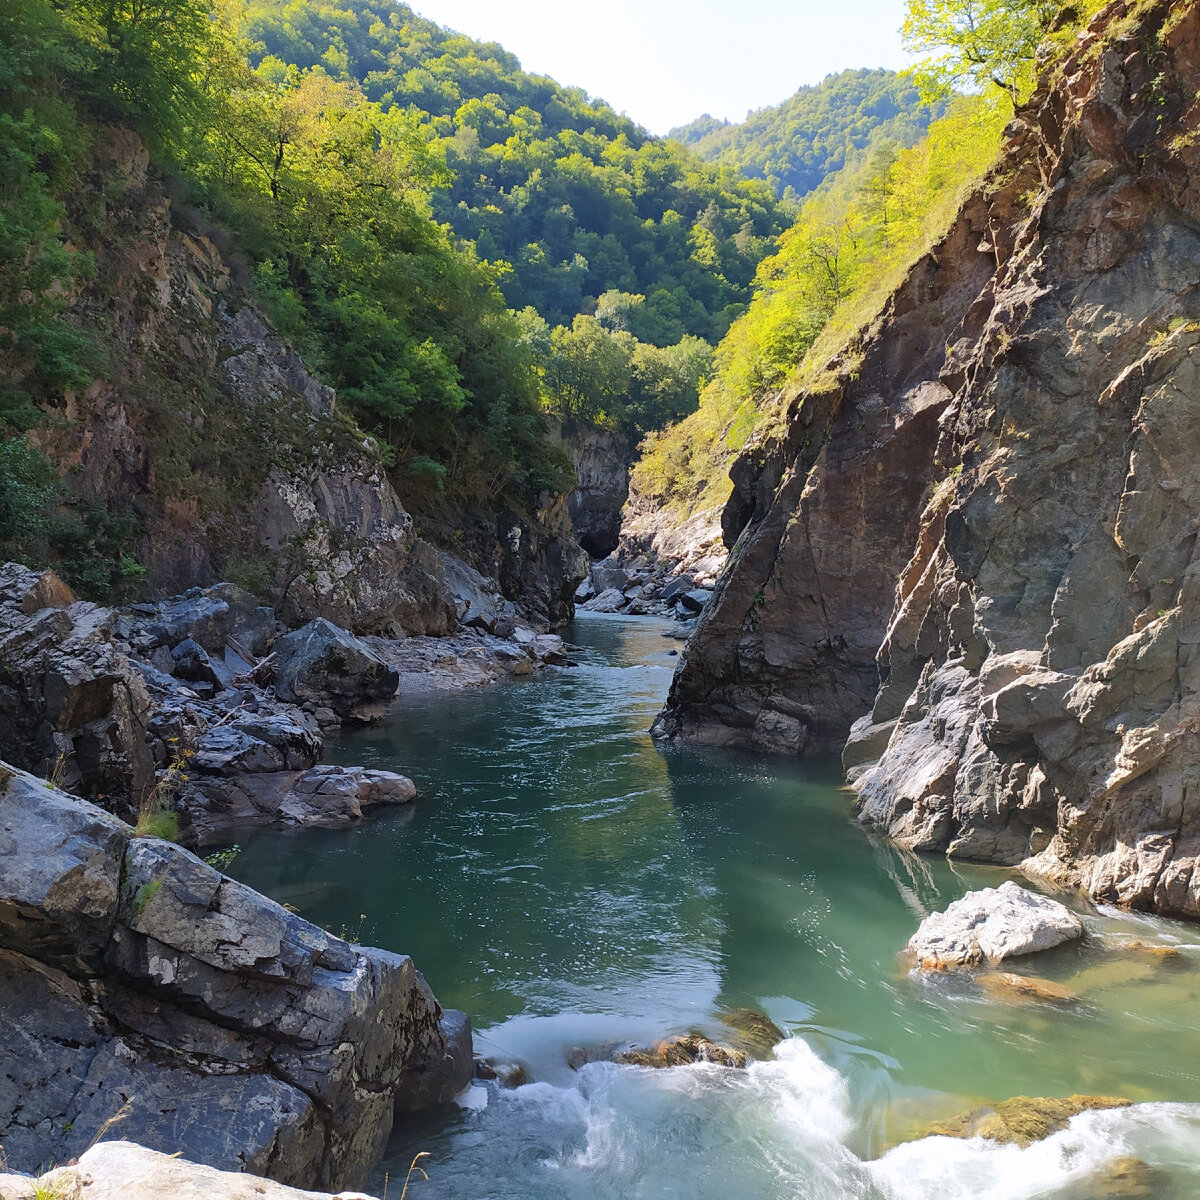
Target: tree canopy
point(816, 132)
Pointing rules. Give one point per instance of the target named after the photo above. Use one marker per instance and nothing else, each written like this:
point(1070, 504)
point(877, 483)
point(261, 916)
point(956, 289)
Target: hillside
point(579, 200)
point(793, 146)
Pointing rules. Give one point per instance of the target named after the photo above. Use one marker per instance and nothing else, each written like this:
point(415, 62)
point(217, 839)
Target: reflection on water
point(568, 884)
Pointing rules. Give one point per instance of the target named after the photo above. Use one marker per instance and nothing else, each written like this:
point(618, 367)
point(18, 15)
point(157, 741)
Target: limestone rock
point(991, 925)
point(122, 1170)
point(325, 666)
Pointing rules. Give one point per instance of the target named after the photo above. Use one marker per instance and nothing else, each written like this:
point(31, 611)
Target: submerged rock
point(758, 1034)
point(1021, 1120)
point(990, 926)
point(1024, 989)
point(683, 1050)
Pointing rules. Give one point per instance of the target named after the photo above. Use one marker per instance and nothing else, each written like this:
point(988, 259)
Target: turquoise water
point(570, 884)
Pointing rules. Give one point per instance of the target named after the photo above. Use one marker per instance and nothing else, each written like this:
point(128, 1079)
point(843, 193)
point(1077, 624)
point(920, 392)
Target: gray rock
point(696, 599)
point(437, 1080)
point(192, 664)
point(325, 666)
point(677, 588)
point(609, 601)
point(478, 600)
point(72, 706)
point(991, 925)
point(609, 575)
point(138, 981)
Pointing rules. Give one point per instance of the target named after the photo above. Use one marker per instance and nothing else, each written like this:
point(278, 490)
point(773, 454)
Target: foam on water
point(780, 1129)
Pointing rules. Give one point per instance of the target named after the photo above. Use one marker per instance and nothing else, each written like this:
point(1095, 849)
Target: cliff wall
point(979, 542)
point(206, 433)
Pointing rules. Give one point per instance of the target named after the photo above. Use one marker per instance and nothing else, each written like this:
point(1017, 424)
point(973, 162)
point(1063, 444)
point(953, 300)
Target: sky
point(664, 62)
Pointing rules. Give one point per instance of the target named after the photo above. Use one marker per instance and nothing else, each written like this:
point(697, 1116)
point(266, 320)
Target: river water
point(570, 884)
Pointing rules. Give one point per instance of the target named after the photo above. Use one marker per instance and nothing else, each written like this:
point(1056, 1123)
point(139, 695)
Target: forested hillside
point(817, 131)
point(578, 199)
point(855, 237)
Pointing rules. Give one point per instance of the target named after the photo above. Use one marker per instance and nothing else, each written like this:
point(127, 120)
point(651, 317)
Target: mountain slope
point(578, 199)
point(797, 144)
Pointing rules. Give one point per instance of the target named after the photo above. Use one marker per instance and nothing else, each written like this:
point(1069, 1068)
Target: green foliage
point(157, 824)
point(606, 377)
point(977, 43)
point(816, 132)
point(852, 243)
point(579, 200)
point(41, 353)
point(222, 860)
point(29, 491)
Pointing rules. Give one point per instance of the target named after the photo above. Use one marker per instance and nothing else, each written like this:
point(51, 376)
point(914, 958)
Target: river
point(569, 884)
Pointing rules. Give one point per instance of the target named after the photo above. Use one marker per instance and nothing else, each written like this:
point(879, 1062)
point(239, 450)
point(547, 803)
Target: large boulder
point(139, 983)
point(326, 667)
point(991, 925)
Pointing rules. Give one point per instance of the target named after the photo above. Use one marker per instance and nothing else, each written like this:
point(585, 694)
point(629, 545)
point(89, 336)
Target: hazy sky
point(666, 61)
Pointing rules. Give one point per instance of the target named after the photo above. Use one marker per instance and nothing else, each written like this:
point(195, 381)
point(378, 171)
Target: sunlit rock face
point(979, 551)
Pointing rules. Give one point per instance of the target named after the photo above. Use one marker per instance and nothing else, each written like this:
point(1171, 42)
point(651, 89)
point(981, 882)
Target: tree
point(977, 43)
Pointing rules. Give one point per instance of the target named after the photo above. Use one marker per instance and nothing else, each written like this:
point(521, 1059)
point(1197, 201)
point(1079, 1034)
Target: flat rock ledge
point(991, 925)
point(124, 1171)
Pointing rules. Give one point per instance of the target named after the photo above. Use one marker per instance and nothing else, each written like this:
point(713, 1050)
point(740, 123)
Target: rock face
point(138, 982)
point(121, 1170)
point(71, 705)
point(991, 925)
point(986, 564)
point(211, 439)
point(820, 524)
point(602, 461)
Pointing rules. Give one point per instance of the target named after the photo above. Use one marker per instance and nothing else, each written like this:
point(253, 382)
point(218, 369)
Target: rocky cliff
point(221, 456)
point(977, 543)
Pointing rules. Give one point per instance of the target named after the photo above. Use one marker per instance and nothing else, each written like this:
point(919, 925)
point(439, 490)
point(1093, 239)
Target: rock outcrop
point(976, 544)
point(72, 706)
point(1021, 1120)
point(326, 667)
point(602, 461)
point(204, 706)
point(140, 985)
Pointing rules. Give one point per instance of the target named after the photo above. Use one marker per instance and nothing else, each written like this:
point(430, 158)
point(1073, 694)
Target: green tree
point(977, 43)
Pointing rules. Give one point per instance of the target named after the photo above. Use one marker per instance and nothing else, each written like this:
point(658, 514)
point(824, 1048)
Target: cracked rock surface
point(139, 982)
point(970, 559)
